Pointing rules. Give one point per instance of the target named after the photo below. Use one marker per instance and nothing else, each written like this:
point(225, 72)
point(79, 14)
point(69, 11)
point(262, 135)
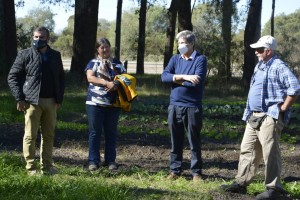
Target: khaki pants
point(257, 144)
point(41, 116)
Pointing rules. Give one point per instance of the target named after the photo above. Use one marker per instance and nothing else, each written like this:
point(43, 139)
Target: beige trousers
point(41, 116)
point(257, 144)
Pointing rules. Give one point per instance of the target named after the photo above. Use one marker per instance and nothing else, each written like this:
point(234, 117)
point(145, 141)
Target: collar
point(192, 56)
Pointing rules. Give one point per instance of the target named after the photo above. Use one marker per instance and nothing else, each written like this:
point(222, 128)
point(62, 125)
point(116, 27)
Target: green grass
point(222, 106)
point(77, 184)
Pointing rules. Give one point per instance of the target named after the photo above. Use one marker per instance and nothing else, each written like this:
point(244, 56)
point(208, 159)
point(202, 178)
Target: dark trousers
point(181, 119)
point(102, 119)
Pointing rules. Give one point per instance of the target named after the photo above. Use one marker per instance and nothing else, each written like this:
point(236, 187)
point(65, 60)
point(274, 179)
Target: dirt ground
point(151, 153)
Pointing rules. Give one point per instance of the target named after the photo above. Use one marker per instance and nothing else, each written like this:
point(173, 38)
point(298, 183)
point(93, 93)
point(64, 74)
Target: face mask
point(38, 44)
point(182, 48)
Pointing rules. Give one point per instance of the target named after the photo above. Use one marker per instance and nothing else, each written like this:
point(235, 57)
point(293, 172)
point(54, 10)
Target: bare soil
point(151, 153)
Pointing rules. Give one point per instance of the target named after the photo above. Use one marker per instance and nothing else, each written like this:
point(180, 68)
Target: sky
point(107, 10)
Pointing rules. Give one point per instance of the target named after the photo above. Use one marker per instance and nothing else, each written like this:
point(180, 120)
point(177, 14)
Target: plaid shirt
point(278, 82)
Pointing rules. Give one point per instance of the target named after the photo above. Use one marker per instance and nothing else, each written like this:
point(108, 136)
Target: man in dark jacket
point(36, 80)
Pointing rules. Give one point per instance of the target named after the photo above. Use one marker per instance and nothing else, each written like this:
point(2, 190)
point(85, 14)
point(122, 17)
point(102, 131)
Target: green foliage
point(286, 31)
point(36, 17)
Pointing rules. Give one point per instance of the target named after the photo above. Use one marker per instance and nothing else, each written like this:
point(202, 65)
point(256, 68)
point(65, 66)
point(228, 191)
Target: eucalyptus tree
point(85, 31)
point(182, 9)
point(141, 38)
point(184, 16)
point(8, 43)
point(170, 32)
point(252, 34)
point(118, 29)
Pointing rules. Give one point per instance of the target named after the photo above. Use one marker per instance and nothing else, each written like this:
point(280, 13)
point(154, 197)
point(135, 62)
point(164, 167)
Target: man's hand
point(194, 79)
point(22, 106)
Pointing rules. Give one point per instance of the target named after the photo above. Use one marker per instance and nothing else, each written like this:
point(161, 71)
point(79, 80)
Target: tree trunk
point(141, 39)
point(85, 33)
point(272, 18)
point(118, 29)
point(225, 71)
point(8, 36)
point(252, 34)
point(184, 16)
point(172, 14)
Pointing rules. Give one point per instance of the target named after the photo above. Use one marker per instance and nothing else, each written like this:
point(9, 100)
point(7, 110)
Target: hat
point(265, 41)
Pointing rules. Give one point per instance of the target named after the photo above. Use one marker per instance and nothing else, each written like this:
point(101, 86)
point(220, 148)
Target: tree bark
point(118, 29)
point(184, 16)
point(8, 36)
point(172, 14)
point(252, 34)
point(272, 18)
point(85, 33)
point(227, 10)
point(141, 39)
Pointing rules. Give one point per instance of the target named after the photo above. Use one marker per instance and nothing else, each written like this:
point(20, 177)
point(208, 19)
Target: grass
point(223, 107)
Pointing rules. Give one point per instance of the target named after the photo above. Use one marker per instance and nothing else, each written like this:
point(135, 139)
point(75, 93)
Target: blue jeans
point(102, 119)
point(179, 120)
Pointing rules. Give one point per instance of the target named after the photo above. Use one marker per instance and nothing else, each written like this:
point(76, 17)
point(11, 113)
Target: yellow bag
point(126, 91)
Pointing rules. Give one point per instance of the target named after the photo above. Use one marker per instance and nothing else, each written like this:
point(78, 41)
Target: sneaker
point(197, 178)
point(50, 171)
point(112, 166)
point(272, 193)
point(32, 172)
point(93, 167)
point(234, 188)
point(173, 176)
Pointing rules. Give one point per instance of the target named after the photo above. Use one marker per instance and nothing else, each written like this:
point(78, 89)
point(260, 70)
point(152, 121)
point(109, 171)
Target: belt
point(257, 111)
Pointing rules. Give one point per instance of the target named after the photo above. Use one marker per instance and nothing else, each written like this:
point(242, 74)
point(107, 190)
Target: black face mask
point(39, 44)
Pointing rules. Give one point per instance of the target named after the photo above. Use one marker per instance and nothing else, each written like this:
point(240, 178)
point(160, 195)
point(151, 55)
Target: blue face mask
point(39, 44)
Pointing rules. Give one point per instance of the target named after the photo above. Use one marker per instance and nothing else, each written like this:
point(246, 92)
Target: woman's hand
point(110, 86)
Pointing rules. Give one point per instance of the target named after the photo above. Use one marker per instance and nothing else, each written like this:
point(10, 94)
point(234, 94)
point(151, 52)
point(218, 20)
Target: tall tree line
point(85, 30)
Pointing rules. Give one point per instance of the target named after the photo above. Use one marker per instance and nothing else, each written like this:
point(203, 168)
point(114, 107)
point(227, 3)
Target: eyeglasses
point(260, 50)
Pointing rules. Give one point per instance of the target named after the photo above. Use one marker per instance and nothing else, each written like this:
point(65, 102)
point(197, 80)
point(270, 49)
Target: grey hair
point(188, 35)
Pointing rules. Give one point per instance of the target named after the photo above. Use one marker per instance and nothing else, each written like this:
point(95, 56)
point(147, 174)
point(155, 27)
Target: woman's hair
point(188, 35)
point(100, 42)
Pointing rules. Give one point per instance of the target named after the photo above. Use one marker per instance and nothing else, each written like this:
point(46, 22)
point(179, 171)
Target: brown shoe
point(197, 178)
point(173, 176)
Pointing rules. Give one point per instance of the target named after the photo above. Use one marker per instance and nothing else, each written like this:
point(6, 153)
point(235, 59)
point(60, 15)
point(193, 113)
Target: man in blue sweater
point(186, 72)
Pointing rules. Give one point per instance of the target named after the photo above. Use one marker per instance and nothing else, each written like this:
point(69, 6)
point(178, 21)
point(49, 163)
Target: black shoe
point(272, 193)
point(234, 188)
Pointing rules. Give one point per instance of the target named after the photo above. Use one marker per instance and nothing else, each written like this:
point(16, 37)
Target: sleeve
point(200, 70)
point(61, 79)
point(290, 81)
point(169, 71)
point(90, 65)
point(16, 77)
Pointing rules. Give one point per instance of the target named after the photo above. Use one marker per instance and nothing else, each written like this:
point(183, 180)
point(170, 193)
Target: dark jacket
point(24, 78)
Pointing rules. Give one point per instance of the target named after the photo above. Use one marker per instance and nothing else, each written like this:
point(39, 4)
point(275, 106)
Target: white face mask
point(182, 48)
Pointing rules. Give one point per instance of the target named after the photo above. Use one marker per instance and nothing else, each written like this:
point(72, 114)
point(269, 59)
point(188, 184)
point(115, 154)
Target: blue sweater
point(187, 95)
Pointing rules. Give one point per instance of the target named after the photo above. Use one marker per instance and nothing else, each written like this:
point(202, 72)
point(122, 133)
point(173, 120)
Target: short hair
point(42, 29)
point(188, 35)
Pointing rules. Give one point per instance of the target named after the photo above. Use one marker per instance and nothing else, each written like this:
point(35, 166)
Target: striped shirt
point(278, 82)
point(97, 95)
